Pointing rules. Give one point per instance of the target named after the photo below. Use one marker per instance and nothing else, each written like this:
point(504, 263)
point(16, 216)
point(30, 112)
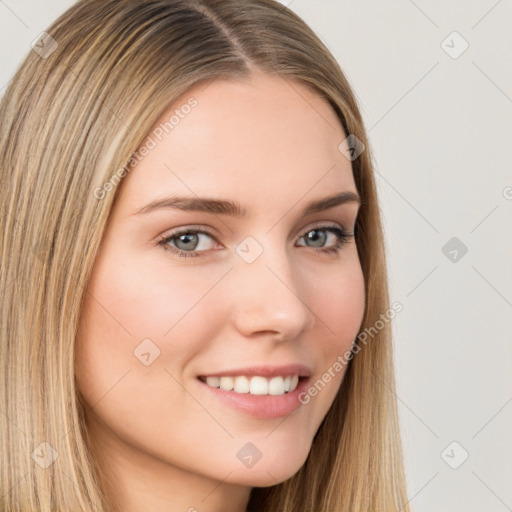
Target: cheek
point(152, 300)
point(136, 401)
point(126, 305)
point(340, 305)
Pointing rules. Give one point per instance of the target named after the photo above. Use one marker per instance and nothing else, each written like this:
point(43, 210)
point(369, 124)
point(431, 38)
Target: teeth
point(259, 386)
point(255, 385)
point(214, 382)
point(227, 383)
point(242, 385)
point(276, 386)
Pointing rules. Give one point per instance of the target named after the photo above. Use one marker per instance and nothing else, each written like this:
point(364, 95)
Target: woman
point(141, 371)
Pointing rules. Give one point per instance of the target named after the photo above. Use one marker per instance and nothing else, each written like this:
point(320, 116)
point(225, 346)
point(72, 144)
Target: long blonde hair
point(75, 112)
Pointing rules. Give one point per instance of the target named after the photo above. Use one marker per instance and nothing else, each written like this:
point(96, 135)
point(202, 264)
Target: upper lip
point(263, 370)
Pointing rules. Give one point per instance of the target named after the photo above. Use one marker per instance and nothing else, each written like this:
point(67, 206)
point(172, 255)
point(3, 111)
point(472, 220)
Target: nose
point(269, 298)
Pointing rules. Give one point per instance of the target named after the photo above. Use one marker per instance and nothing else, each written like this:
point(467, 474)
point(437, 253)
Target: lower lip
point(261, 406)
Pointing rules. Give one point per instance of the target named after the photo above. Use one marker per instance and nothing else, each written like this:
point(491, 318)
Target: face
point(178, 293)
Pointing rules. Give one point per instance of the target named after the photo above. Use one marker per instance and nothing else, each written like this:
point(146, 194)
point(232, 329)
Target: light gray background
point(440, 130)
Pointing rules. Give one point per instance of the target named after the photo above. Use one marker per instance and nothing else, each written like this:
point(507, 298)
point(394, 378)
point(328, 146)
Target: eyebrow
point(234, 209)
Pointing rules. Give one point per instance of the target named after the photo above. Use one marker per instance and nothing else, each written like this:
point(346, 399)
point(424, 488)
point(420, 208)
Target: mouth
point(258, 396)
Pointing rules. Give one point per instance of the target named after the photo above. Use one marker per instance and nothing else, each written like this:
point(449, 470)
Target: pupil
point(187, 236)
point(315, 238)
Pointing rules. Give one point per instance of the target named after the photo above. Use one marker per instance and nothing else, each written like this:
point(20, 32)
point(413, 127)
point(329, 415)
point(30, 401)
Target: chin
point(266, 473)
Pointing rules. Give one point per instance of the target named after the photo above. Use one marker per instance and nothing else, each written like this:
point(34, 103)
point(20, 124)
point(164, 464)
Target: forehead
point(266, 136)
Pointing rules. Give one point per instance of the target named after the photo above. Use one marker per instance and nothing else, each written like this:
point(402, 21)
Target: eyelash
point(342, 238)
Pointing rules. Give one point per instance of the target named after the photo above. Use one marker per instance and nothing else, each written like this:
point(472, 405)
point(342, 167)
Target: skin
point(162, 442)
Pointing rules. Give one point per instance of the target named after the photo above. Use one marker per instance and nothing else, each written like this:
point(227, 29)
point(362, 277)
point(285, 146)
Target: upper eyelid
point(187, 229)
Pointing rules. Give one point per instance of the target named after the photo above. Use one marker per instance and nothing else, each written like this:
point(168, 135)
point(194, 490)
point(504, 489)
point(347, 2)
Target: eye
point(187, 242)
point(340, 236)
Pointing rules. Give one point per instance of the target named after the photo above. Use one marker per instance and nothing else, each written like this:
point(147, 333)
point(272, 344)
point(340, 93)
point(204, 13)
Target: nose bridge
point(268, 291)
